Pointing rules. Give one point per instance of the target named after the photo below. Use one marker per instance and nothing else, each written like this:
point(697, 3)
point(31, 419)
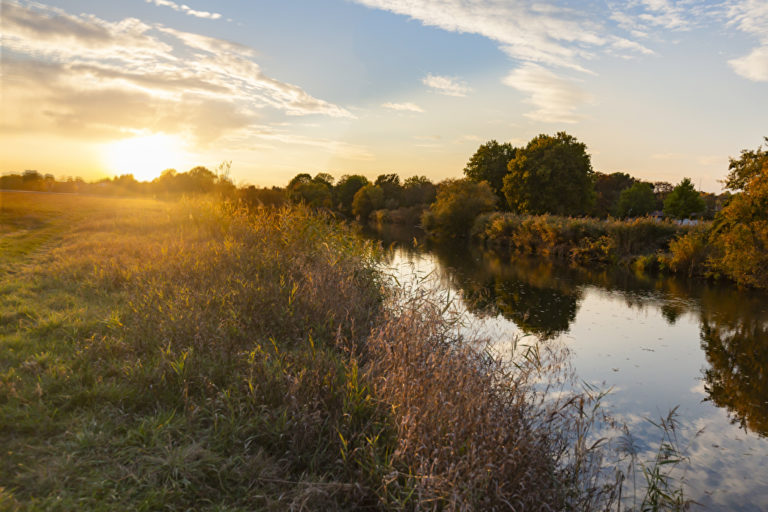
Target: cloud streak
point(403, 107)
point(751, 17)
point(185, 9)
point(65, 73)
point(534, 32)
point(446, 85)
point(555, 98)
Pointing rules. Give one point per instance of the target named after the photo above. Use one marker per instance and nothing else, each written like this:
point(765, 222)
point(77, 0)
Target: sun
point(145, 156)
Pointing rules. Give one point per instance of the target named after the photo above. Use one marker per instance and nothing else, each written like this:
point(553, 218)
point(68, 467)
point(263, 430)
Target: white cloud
point(538, 33)
point(751, 17)
point(403, 107)
point(185, 9)
point(753, 66)
point(556, 99)
point(446, 85)
point(67, 74)
point(535, 32)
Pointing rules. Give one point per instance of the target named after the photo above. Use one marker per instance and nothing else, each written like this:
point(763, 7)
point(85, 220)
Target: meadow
point(199, 355)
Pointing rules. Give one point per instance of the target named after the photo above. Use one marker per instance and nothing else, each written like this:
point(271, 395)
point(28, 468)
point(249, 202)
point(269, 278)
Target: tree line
point(171, 183)
point(553, 174)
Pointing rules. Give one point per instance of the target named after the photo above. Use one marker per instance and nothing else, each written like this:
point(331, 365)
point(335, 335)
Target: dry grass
point(200, 356)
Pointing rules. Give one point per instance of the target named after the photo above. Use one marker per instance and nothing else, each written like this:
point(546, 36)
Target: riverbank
point(578, 240)
point(197, 355)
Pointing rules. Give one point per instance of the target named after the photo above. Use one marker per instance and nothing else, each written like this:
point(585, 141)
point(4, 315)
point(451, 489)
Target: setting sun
point(145, 157)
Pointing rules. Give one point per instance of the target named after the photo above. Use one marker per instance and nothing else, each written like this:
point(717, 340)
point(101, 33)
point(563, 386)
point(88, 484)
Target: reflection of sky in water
point(647, 347)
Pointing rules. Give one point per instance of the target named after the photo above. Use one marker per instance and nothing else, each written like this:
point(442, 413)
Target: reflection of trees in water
point(527, 292)
point(543, 311)
point(542, 297)
point(734, 336)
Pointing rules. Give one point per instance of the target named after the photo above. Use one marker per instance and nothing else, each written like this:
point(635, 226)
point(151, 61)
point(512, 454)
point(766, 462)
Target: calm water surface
point(656, 342)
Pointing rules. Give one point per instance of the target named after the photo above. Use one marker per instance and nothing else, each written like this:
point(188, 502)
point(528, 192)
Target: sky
point(660, 89)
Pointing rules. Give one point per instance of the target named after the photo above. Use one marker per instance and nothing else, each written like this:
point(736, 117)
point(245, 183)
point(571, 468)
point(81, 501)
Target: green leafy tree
point(608, 187)
point(457, 205)
point(316, 192)
point(299, 178)
point(683, 201)
point(346, 189)
point(418, 190)
point(366, 200)
point(392, 189)
point(550, 175)
point(747, 166)
point(636, 201)
point(489, 163)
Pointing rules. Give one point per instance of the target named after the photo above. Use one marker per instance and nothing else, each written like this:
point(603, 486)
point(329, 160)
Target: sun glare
point(145, 157)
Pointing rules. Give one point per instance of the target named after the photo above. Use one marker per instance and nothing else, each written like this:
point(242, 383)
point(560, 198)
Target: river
point(656, 342)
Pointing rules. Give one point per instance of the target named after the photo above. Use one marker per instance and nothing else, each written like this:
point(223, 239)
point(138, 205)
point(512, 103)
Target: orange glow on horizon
point(145, 156)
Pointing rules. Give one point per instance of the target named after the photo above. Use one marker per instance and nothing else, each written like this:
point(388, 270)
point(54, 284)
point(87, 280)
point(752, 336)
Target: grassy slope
point(157, 355)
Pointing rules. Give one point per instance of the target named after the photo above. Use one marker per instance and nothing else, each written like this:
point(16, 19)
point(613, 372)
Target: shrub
point(688, 253)
point(457, 205)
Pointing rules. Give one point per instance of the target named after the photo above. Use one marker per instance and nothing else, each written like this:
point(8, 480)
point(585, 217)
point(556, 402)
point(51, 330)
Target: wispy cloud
point(449, 86)
point(751, 17)
point(555, 98)
point(403, 107)
point(336, 148)
point(538, 33)
point(185, 9)
point(67, 73)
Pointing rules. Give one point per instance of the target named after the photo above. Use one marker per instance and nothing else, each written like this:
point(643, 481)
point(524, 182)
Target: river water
point(656, 342)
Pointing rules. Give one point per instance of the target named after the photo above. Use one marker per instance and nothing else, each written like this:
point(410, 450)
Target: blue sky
point(656, 88)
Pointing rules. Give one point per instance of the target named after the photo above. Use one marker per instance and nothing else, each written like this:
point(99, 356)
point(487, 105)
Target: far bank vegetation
point(542, 198)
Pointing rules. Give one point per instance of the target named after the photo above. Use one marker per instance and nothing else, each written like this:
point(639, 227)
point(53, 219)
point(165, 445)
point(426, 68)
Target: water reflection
point(529, 293)
point(734, 337)
point(543, 298)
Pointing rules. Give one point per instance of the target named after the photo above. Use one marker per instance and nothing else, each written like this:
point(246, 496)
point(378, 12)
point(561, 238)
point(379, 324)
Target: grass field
point(195, 355)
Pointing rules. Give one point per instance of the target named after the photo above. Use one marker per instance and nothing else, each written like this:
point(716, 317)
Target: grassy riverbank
point(642, 242)
point(196, 355)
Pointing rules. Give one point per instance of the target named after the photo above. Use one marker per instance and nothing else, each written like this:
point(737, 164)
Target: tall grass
point(579, 240)
point(202, 356)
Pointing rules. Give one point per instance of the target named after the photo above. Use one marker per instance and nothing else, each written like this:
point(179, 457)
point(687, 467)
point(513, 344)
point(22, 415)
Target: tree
point(457, 205)
point(608, 187)
point(740, 234)
point(489, 163)
point(636, 201)
point(315, 192)
point(550, 175)
point(749, 165)
point(346, 189)
point(418, 190)
point(390, 186)
point(366, 200)
point(299, 178)
point(683, 201)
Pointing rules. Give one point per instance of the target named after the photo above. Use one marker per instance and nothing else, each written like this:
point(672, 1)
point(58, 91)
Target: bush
point(457, 205)
point(688, 253)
